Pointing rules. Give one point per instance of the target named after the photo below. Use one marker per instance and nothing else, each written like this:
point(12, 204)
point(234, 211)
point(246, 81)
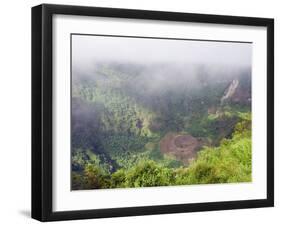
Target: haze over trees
point(142, 117)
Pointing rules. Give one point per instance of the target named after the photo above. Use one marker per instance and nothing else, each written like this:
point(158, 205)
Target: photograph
point(154, 111)
point(141, 112)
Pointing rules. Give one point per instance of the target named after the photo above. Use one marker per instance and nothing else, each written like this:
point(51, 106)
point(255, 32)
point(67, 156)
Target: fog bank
point(88, 50)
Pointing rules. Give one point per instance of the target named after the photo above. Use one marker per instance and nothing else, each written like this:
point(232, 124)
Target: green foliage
point(229, 162)
point(220, 124)
point(95, 178)
point(81, 158)
point(118, 179)
point(121, 114)
point(117, 130)
point(147, 174)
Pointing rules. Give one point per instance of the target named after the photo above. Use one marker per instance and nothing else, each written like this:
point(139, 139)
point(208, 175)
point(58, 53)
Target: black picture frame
point(42, 106)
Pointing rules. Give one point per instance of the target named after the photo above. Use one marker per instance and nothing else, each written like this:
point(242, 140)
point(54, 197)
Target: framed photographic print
point(145, 112)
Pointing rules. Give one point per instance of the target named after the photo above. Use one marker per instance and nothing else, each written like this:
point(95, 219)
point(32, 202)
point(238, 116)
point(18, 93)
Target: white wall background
point(15, 118)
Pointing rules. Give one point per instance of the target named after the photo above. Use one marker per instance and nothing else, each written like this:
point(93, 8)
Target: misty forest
point(159, 113)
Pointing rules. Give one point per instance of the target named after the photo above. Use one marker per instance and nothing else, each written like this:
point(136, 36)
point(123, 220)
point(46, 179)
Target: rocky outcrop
point(230, 90)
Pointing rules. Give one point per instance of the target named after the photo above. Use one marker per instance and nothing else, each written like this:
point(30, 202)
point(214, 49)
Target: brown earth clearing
point(183, 147)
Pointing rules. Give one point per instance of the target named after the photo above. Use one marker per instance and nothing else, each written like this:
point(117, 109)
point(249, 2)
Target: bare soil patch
point(183, 147)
